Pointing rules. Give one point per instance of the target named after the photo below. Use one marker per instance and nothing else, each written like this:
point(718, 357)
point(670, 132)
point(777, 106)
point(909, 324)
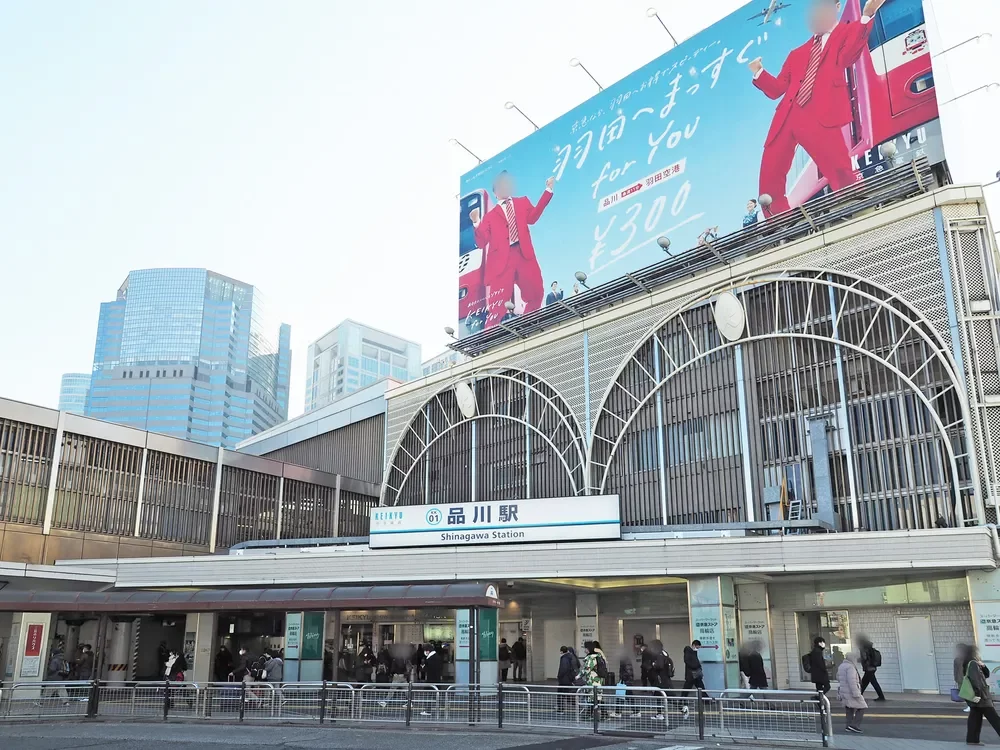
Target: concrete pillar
point(199, 646)
point(586, 621)
point(119, 652)
point(755, 622)
point(712, 606)
point(984, 590)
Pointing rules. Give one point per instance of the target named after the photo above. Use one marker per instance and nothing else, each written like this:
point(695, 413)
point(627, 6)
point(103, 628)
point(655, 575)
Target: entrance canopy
point(452, 596)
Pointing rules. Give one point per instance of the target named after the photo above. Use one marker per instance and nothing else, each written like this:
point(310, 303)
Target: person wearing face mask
point(815, 660)
point(694, 675)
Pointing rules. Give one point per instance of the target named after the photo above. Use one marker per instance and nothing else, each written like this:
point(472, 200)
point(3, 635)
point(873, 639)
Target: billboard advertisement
point(783, 99)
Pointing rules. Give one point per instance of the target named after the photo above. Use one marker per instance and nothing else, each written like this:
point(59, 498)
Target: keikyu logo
point(433, 517)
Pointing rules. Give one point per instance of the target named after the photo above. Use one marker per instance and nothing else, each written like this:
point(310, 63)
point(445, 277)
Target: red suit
point(508, 264)
point(817, 124)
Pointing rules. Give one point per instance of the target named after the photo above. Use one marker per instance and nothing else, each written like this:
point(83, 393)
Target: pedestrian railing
point(754, 715)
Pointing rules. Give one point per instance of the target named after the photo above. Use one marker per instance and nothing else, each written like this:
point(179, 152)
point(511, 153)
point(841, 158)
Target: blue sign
point(786, 100)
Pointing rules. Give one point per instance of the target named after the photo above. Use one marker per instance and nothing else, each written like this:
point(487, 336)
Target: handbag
point(967, 692)
point(955, 697)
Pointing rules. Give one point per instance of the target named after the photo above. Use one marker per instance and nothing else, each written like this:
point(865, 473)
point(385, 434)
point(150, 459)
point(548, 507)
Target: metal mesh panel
point(355, 513)
point(97, 486)
point(307, 510)
point(177, 498)
point(25, 466)
point(522, 442)
point(248, 503)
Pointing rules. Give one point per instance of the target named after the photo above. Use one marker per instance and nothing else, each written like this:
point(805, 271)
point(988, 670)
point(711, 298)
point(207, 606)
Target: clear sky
point(302, 146)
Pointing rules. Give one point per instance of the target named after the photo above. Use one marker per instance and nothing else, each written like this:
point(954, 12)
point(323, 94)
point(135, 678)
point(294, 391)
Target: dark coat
point(223, 665)
point(753, 667)
point(979, 677)
point(817, 666)
point(566, 671)
point(519, 651)
point(867, 658)
point(692, 664)
point(85, 667)
point(433, 667)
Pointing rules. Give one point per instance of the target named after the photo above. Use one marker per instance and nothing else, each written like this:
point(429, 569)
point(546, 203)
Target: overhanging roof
point(280, 599)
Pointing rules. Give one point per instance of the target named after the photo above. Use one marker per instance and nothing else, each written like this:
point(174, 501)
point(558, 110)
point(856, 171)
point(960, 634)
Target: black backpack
point(807, 663)
point(874, 657)
point(601, 667)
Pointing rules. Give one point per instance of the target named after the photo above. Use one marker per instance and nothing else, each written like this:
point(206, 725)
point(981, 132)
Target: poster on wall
point(31, 663)
point(293, 634)
point(707, 628)
point(312, 635)
point(790, 101)
point(729, 632)
point(754, 630)
point(462, 635)
point(988, 637)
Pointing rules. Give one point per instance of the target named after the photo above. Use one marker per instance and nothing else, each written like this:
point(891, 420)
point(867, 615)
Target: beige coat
point(849, 690)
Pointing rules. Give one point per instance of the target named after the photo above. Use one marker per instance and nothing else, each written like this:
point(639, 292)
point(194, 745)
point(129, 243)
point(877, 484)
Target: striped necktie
point(809, 80)
point(508, 210)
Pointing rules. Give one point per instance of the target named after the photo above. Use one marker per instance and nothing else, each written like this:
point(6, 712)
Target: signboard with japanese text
point(293, 634)
point(497, 522)
point(784, 99)
point(707, 628)
point(31, 662)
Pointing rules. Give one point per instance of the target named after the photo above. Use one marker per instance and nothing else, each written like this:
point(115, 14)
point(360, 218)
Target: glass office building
point(352, 356)
point(73, 389)
point(190, 353)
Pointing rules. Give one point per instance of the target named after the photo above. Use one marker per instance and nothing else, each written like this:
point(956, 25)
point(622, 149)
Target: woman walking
point(850, 694)
point(981, 704)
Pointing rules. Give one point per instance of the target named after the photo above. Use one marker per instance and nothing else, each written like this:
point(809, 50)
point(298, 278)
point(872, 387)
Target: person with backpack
point(503, 656)
point(814, 663)
point(871, 660)
point(593, 673)
point(752, 665)
point(520, 654)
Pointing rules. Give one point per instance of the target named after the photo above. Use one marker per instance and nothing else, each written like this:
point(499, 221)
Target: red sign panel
point(33, 642)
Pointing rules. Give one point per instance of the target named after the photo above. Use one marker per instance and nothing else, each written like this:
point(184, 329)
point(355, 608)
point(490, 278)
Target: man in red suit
point(816, 103)
point(510, 257)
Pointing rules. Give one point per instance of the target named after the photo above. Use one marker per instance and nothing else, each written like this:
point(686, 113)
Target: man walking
point(694, 675)
point(815, 100)
point(871, 660)
point(520, 653)
point(815, 661)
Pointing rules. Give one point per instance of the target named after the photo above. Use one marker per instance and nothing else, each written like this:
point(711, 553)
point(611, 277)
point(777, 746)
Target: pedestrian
point(57, 671)
point(383, 665)
point(417, 663)
point(244, 669)
point(398, 669)
point(503, 656)
point(694, 675)
point(871, 660)
point(363, 664)
point(175, 667)
point(162, 654)
point(223, 665)
point(958, 668)
point(274, 669)
point(981, 703)
point(433, 665)
point(815, 664)
point(520, 653)
point(645, 664)
point(85, 667)
point(567, 672)
point(851, 693)
point(606, 675)
point(593, 672)
point(752, 665)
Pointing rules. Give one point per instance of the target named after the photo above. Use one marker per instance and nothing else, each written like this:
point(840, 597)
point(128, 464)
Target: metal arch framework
point(405, 462)
point(918, 325)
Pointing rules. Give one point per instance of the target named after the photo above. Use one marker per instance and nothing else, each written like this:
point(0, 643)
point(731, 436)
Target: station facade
point(800, 426)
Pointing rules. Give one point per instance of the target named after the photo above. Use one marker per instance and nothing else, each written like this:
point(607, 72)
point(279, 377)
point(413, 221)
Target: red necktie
point(806, 89)
point(508, 209)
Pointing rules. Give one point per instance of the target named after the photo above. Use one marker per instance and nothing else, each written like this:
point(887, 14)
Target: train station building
point(793, 432)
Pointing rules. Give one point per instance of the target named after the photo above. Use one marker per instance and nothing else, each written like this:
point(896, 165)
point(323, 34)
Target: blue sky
point(300, 146)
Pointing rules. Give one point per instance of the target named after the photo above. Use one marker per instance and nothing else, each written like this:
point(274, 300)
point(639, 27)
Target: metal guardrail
point(754, 715)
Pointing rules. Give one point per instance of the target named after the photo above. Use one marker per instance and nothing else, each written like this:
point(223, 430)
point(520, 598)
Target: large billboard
point(783, 99)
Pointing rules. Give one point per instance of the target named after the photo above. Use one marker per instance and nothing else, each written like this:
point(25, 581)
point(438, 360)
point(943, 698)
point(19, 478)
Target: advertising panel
point(498, 522)
point(31, 662)
point(787, 100)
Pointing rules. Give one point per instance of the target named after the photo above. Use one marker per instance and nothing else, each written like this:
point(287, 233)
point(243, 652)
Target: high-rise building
point(351, 356)
point(441, 362)
point(73, 389)
point(189, 353)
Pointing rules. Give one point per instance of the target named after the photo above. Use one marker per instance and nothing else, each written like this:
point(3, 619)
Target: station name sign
point(559, 519)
